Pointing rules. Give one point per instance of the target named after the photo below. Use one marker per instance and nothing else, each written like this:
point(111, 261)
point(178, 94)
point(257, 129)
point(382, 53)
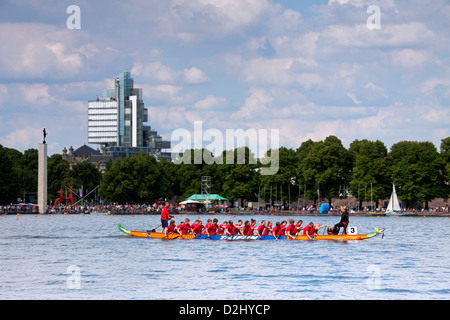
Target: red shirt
point(212, 228)
point(198, 228)
point(266, 232)
point(220, 229)
point(165, 213)
point(184, 228)
point(291, 229)
point(277, 231)
point(171, 228)
point(310, 230)
point(232, 229)
point(247, 231)
point(262, 229)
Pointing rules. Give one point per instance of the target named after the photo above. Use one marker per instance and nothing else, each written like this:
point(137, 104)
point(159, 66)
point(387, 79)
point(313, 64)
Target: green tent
point(202, 197)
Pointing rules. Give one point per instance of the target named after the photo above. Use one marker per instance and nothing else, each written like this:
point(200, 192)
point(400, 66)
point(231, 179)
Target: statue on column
point(45, 135)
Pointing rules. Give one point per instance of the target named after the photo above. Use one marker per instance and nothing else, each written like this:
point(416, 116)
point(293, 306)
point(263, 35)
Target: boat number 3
point(352, 230)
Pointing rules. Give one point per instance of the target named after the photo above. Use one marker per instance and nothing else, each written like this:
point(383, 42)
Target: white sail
point(393, 205)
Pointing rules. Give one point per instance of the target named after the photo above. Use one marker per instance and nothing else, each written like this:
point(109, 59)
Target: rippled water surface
point(76, 257)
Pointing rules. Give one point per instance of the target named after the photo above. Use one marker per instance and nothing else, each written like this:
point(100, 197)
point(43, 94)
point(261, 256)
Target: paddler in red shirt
point(212, 228)
point(230, 229)
point(171, 228)
point(276, 231)
point(208, 223)
point(198, 227)
point(238, 227)
point(261, 229)
point(267, 229)
point(184, 228)
point(247, 230)
point(291, 231)
point(221, 229)
point(298, 225)
point(309, 231)
point(165, 217)
point(283, 227)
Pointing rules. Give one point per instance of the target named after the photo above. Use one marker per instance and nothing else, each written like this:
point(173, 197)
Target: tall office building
point(116, 122)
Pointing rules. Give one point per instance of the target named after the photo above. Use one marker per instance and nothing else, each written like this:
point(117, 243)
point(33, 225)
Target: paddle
point(154, 230)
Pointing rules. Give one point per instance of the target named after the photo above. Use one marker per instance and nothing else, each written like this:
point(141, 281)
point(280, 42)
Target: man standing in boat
point(165, 217)
point(343, 223)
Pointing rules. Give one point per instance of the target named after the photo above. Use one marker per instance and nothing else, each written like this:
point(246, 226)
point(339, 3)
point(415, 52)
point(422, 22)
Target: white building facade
point(116, 122)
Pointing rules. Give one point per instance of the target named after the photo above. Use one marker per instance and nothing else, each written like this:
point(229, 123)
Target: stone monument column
point(42, 176)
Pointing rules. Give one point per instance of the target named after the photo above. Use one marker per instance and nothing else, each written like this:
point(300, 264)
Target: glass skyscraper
point(116, 121)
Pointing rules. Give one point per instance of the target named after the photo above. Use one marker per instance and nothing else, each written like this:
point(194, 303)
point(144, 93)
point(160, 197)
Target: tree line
point(324, 169)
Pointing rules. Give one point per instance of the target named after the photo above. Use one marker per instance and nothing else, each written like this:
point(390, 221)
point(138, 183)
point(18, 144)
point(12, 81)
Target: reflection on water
point(76, 257)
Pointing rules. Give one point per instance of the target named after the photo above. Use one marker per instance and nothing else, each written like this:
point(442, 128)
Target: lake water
point(76, 257)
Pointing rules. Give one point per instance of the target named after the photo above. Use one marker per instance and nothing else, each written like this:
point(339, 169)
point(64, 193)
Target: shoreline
point(242, 213)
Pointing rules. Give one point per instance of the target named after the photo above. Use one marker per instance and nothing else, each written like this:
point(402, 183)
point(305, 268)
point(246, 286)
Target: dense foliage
point(322, 168)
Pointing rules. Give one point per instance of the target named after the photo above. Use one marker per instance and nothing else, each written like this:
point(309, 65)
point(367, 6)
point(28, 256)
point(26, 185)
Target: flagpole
point(318, 192)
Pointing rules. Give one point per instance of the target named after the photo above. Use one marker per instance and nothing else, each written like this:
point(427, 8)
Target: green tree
point(326, 163)
point(132, 180)
point(445, 162)
point(58, 171)
point(370, 167)
point(415, 170)
point(240, 179)
point(9, 190)
point(85, 176)
point(285, 180)
point(169, 183)
point(28, 176)
point(193, 167)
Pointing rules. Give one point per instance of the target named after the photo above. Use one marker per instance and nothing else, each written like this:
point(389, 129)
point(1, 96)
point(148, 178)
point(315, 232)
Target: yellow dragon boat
point(332, 237)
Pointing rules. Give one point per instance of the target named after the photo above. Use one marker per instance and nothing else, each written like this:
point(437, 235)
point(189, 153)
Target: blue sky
point(307, 68)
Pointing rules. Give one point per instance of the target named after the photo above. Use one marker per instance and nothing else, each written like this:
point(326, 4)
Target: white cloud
point(157, 72)
point(304, 45)
point(353, 98)
point(256, 106)
point(36, 93)
point(364, 3)
point(210, 102)
point(379, 90)
point(280, 72)
point(336, 37)
point(22, 138)
point(430, 84)
point(195, 75)
point(38, 50)
point(215, 17)
point(3, 94)
point(409, 58)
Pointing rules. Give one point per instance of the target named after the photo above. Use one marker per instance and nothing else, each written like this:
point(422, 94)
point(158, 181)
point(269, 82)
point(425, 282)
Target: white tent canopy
point(190, 201)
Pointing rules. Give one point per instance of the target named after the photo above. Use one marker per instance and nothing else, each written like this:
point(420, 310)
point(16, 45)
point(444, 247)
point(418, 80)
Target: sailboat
point(393, 207)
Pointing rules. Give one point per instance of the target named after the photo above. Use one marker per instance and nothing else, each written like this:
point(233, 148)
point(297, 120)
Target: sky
point(309, 69)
